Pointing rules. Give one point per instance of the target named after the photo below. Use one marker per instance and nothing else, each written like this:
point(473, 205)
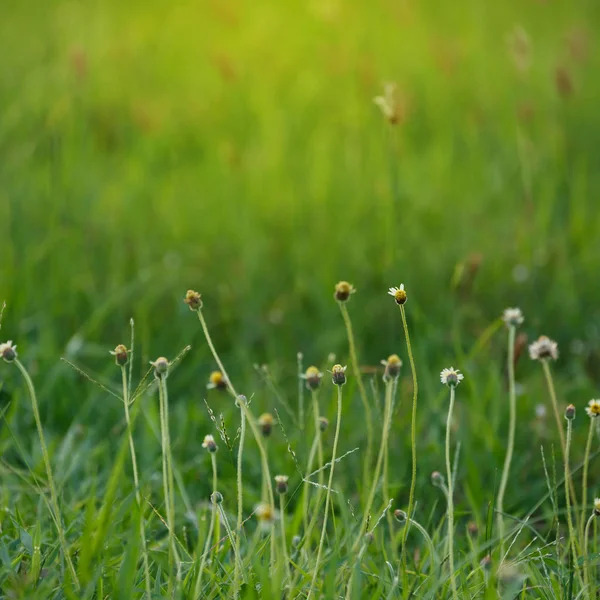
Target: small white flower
point(266, 515)
point(209, 443)
point(543, 348)
point(451, 377)
point(513, 317)
point(7, 351)
point(597, 507)
point(593, 409)
point(398, 293)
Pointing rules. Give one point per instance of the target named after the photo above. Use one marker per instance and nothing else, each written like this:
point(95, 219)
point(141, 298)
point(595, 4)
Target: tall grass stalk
point(230, 535)
point(386, 473)
point(299, 358)
point(51, 484)
point(328, 492)
point(584, 482)
point(361, 389)
point(284, 550)
point(240, 496)
point(315, 450)
point(136, 481)
point(450, 495)
point(586, 553)
point(512, 400)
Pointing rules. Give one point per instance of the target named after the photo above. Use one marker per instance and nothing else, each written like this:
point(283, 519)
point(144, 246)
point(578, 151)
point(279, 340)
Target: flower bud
point(313, 378)
point(217, 381)
point(323, 423)
point(265, 422)
point(437, 479)
point(209, 443)
point(570, 412)
point(193, 300)
point(400, 516)
point(8, 352)
point(121, 355)
point(216, 498)
point(392, 367)
point(281, 483)
point(161, 367)
point(343, 291)
point(338, 374)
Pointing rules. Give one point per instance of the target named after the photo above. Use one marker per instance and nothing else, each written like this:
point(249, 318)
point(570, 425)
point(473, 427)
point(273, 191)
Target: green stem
point(316, 448)
point(361, 389)
point(511, 435)
point(586, 567)
point(229, 533)
point(53, 495)
point(301, 384)
point(450, 494)
point(240, 514)
point(586, 464)
point(286, 558)
point(136, 482)
point(386, 473)
point(328, 493)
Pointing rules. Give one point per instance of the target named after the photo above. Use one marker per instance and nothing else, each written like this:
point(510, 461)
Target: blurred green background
point(234, 147)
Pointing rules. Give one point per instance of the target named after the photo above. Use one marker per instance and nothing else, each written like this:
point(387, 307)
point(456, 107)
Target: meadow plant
point(593, 412)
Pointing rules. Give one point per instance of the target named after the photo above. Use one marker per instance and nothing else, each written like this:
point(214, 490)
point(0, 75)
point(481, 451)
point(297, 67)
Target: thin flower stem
point(316, 449)
point(511, 434)
point(450, 494)
point(435, 559)
point(361, 389)
point(568, 480)
point(300, 391)
point(386, 473)
point(376, 473)
point(328, 493)
point(586, 566)
point(586, 464)
point(413, 429)
point(229, 533)
point(53, 495)
point(136, 482)
point(213, 515)
point(240, 515)
point(286, 558)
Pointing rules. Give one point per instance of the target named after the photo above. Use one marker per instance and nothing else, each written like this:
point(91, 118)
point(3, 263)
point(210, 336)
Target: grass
point(235, 147)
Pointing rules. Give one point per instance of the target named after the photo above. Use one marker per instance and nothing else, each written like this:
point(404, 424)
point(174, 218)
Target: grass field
point(235, 148)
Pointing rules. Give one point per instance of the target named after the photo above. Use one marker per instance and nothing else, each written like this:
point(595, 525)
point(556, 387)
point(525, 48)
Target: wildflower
point(266, 515)
point(513, 317)
point(265, 421)
point(312, 376)
point(281, 482)
point(389, 104)
point(193, 300)
point(343, 291)
point(120, 354)
point(437, 479)
point(217, 381)
point(593, 408)
point(209, 443)
point(338, 374)
point(597, 507)
point(398, 293)
point(400, 516)
point(543, 348)
point(392, 366)
point(570, 412)
point(216, 498)
point(451, 377)
point(323, 423)
point(161, 367)
point(8, 352)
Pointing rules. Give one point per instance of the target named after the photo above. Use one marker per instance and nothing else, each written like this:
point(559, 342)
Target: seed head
point(392, 367)
point(343, 291)
point(8, 352)
point(281, 483)
point(570, 412)
point(400, 516)
point(597, 507)
point(593, 409)
point(209, 443)
point(323, 423)
point(451, 377)
point(399, 294)
point(265, 422)
point(217, 381)
point(338, 374)
point(193, 300)
point(313, 377)
point(543, 348)
point(513, 317)
point(161, 367)
point(216, 498)
point(121, 355)
point(437, 479)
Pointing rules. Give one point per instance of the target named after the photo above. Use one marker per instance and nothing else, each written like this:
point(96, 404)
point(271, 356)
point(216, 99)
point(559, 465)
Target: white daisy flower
point(451, 377)
point(8, 352)
point(398, 293)
point(593, 408)
point(209, 443)
point(513, 317)
point(543, 348)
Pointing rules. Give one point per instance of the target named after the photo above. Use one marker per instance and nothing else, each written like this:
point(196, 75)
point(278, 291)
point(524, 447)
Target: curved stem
point(586, 464)
point(450, 497)
point(229, 533)
point(511, 435)
point(53, 495)
point(328, 493)
point(136, 482)
point(586, 567)
point(361, 389)
point(240, 515)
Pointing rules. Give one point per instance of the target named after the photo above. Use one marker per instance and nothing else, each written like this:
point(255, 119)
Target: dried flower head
point(216, 498)
point(121, 355)
point(593, 409)
point(312, 376)
point(343, 291)
point(513, 317)
point(281, 483)
point(399, 294)
point(323, 423)
point(597, 507)
point(266, 515)
point(451, 377)
point(209, 443)
point(338, 374)
point(392, 366)
point(8, 352)
point(543, 348)
point(570, 412)
point(193, 300)
point(400, 516)
point(390, 106)
point(265, 422)
point(161, 367)
point(216, 381)
point(437, 479)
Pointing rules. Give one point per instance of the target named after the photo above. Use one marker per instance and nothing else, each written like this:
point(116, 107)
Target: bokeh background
point(235, 148)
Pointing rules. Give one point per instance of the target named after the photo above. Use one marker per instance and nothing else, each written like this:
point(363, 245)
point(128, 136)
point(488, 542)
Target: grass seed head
point(543, 348)
point(193, 300)
point(338, 374)
point(209, 443)
point(392, 367)
point(161, 367)
point(121, 355)
point(265, 422)
point(216, 380)
point(570, 412)
point(281, 483)
point(593, 409)
point(343, 291)
point(313, 377)
point(8, 352)
point(399, 294)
